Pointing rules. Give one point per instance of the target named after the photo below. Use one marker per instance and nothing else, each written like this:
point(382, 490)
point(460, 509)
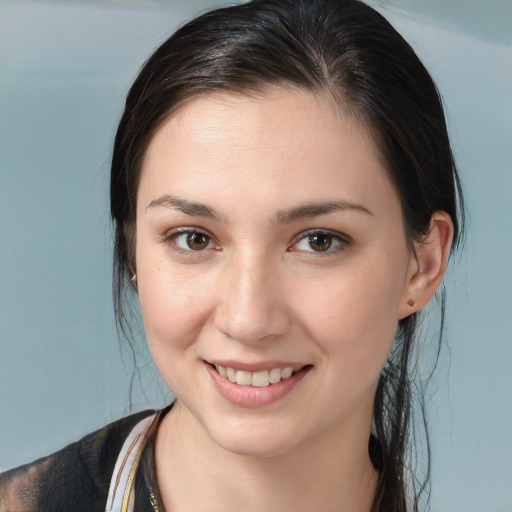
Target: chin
point(254, 439)
point(261, 447)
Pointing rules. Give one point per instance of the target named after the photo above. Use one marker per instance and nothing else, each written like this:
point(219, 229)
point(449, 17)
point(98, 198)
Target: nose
point(252, 304)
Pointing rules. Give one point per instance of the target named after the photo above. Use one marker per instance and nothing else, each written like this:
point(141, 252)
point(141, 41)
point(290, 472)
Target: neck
point(329, 473)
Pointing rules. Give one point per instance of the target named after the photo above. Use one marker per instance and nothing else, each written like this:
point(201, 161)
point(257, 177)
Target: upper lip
point(255, 367)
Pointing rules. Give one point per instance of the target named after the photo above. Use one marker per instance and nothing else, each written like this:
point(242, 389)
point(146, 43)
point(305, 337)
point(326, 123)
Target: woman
point(285, 203)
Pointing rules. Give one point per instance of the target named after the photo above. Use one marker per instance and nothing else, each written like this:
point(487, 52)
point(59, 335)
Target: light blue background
point(65, 68)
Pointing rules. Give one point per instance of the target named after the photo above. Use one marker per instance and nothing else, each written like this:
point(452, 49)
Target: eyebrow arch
point(187, 207)
point(195, 209)
point(314, 209)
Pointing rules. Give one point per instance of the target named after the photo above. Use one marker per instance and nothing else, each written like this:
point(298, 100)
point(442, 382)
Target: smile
point(258, 388)
point(261, 379)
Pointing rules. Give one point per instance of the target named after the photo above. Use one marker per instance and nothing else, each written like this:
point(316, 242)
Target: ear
point(428, 265)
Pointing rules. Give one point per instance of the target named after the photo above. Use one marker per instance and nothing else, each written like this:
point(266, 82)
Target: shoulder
point(75, 478)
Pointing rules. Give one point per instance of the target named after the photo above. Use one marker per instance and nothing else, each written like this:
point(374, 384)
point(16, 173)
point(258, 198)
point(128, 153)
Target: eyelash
point(343, 241)
point(171, 237)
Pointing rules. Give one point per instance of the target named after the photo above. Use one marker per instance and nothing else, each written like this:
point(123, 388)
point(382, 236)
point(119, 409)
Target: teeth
point(243, 378)
point(287, 372)
point(231, 374)
point(275, 375)
point(260, 379)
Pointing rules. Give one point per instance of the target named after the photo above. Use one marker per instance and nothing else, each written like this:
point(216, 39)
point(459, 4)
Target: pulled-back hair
point(343, 48)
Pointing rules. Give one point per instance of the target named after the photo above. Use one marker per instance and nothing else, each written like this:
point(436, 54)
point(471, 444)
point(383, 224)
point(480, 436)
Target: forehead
point(259, 113)
point(292, 141)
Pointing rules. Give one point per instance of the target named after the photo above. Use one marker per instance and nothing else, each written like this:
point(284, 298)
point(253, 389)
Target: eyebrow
point(196, 209)
point(315, 209)
point(187, 207)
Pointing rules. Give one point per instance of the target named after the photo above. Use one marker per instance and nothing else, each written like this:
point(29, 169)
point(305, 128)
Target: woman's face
point(269, 238)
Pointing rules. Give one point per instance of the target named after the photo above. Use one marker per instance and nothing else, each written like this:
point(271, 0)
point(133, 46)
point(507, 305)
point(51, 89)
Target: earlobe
point(428, 266)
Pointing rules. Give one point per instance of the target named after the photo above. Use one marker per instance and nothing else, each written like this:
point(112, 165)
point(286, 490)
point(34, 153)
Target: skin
point(259, 291)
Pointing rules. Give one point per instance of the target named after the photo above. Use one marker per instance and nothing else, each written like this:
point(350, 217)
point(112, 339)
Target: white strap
point(122, 478)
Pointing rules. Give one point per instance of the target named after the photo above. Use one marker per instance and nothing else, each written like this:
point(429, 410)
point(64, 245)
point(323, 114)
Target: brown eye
point(320, 242)
point(197, 241)
point(190, 240)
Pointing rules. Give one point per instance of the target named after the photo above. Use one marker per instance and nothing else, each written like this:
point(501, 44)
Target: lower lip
point(251, 396)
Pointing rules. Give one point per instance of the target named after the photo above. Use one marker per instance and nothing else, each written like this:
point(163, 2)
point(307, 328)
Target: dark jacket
point(77, 478)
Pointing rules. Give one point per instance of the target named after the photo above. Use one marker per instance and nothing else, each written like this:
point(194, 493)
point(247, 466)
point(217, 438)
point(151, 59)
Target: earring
point(134, 279)
point(411, 303)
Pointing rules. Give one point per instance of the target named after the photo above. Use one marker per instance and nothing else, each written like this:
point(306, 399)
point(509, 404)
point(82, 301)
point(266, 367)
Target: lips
point(259, 387)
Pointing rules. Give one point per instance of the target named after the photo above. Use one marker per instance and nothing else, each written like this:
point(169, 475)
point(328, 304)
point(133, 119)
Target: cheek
point(173, 306)
point(353, 316)
point(172, 320)
point(173, 310)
